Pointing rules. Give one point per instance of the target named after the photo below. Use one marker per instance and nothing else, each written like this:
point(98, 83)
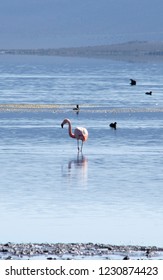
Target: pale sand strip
point(84, 108)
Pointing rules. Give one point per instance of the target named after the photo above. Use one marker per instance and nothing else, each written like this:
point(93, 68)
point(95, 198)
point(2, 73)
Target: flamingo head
point(64, 122)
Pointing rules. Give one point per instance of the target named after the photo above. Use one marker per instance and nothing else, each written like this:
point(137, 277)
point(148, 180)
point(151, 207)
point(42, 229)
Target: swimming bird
point(76, 109)
point(132, 82)
point(113, 125)
point(149, 93)
point(80, 133)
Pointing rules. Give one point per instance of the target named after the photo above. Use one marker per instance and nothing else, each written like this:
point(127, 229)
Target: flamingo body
point(80, 133)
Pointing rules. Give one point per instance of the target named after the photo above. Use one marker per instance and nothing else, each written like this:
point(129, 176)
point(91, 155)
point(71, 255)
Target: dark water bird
point(126, 258)
point(132, 82)
point(149, 93)
point(148, 252)
point(113, 125)
point(76, 109)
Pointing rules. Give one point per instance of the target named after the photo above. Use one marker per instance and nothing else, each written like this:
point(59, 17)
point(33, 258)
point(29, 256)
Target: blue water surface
point(110, 193)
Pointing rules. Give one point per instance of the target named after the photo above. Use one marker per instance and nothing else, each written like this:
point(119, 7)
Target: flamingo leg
point(78, 145)
point(81, 146)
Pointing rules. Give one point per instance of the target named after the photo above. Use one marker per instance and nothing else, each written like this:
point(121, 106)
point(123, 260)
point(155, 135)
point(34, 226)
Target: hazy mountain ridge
point(132, 50)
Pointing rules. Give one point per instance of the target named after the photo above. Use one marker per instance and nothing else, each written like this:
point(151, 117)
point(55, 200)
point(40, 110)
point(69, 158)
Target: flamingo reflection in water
point(76, 171)
point(81, 161)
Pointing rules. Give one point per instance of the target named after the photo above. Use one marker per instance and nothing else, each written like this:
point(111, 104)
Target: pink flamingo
point(80, 133)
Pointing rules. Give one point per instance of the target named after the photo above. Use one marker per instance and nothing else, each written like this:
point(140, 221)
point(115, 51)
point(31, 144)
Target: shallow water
point(112, 193)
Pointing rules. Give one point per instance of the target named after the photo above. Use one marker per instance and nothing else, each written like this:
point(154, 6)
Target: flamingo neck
point(70, 130)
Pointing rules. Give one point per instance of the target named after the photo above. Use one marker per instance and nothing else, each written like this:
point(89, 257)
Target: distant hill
point(135, 50)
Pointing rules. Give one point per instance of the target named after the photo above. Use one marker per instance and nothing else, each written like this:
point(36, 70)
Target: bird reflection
point(76, 171)
point(80, 161)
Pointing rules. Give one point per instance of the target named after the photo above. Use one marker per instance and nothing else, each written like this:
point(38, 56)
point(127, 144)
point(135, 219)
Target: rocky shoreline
point(66, 251)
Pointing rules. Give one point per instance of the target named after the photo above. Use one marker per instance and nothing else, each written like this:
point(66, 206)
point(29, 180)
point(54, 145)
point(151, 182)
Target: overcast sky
point(64, 23)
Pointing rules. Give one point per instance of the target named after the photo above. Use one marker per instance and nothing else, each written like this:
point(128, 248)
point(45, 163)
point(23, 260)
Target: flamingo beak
point(62, 125)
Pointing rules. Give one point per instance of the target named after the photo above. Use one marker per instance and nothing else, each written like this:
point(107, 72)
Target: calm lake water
point(113, 192)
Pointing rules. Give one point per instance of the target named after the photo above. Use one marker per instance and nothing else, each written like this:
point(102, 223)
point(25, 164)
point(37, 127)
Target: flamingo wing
point(81, 133)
